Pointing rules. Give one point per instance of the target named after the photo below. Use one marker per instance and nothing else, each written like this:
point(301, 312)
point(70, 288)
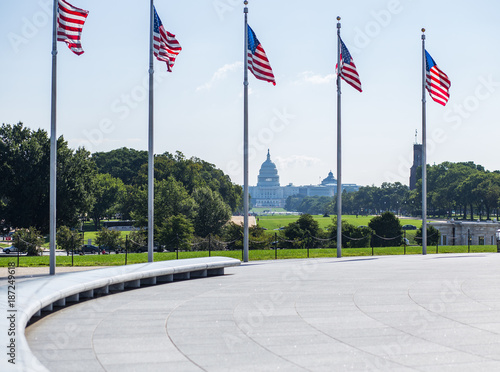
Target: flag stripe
point(437, 82)
point(258, 64)
point(70, 21)
point(348, 71)
point(165, 45)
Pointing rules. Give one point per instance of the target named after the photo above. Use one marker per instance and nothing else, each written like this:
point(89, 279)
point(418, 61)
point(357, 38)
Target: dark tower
point(417, 162)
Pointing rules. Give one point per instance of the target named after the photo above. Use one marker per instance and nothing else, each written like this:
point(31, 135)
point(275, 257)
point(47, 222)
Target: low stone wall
point(458, 232)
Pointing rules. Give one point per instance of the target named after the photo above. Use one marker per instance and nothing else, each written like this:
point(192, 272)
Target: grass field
point(272, 223)
point(254, 255)
point(275, 222)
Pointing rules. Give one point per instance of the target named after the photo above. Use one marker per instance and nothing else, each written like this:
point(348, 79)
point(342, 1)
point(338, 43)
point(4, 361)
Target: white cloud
point(220, 74)
point(310, 77)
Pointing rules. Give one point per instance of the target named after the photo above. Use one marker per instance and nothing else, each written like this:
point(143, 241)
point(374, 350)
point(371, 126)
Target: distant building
point(459, 232)
point(417, 162)
point(269, 193)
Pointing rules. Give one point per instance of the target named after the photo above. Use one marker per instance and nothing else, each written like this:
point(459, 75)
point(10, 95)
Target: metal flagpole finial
point(338, 22)
point(423, 33)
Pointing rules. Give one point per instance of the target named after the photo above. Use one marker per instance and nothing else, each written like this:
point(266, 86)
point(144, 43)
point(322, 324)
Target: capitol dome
point(268, 174)
point(330, 180)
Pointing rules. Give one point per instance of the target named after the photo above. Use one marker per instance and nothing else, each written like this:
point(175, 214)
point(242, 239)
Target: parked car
point(10, 249)
point(89, 249)
point(409, 227)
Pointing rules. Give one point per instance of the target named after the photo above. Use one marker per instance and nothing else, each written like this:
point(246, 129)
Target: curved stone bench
point(34, 296)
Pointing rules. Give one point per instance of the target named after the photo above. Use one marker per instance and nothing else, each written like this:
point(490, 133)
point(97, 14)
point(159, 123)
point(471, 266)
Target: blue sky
point(103, 105)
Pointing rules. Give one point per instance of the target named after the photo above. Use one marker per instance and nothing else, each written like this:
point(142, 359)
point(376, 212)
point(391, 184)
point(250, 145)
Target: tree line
point(192, 196)
point(368, 200)
point(454, 190)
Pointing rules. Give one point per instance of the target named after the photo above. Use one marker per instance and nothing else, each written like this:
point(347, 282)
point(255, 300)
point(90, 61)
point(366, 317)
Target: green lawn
point(254, 255)
point(275, 222)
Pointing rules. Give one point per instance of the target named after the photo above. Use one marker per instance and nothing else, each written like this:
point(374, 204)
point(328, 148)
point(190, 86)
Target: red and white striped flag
point(165, 45)
point(258, 63)
point(348, 70)
point(70, 21)
point(436, 81)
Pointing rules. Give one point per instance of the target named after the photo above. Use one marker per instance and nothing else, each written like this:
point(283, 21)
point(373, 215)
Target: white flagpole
point(151, 142)
point(339, 149)
point(424, 152)
point(53, 146)
point(245, 140)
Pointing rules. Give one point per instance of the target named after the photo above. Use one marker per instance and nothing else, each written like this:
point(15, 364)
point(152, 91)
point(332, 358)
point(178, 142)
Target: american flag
point(348, 70)
point(70, 21)
point(258, 63)
point(436, 81)
point(165, 45)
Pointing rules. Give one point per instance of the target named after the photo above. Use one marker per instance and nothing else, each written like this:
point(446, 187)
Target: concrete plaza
point(397, 313)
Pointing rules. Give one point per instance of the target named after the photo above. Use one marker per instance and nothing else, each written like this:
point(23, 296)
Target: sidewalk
point(390, 313)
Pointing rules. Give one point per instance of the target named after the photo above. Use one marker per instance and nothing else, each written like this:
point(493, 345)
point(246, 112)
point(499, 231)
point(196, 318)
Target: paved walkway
point(400, 313)
point(25, 273)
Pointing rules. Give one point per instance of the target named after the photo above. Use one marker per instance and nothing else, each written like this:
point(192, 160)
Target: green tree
point(109, 239)
point(303, 232)
point(29, 241)
point(176, 232)
point(232, 234)
point(129, 202)
point(171, 199)
point(25, 162)
point(212, 213)
point(195, 173)
point(258, 239)
point(75, 184)
point(468, 190)
point(123, 163)
point(107, 192)
point(352, 236)
point(293, 202)
point(137, 239)
point(433, 235)
point(488, 192)
point(387, 230)
point(68, 239)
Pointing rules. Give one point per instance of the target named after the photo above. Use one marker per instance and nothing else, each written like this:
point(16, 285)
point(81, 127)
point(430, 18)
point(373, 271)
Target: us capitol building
point(269, 193)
